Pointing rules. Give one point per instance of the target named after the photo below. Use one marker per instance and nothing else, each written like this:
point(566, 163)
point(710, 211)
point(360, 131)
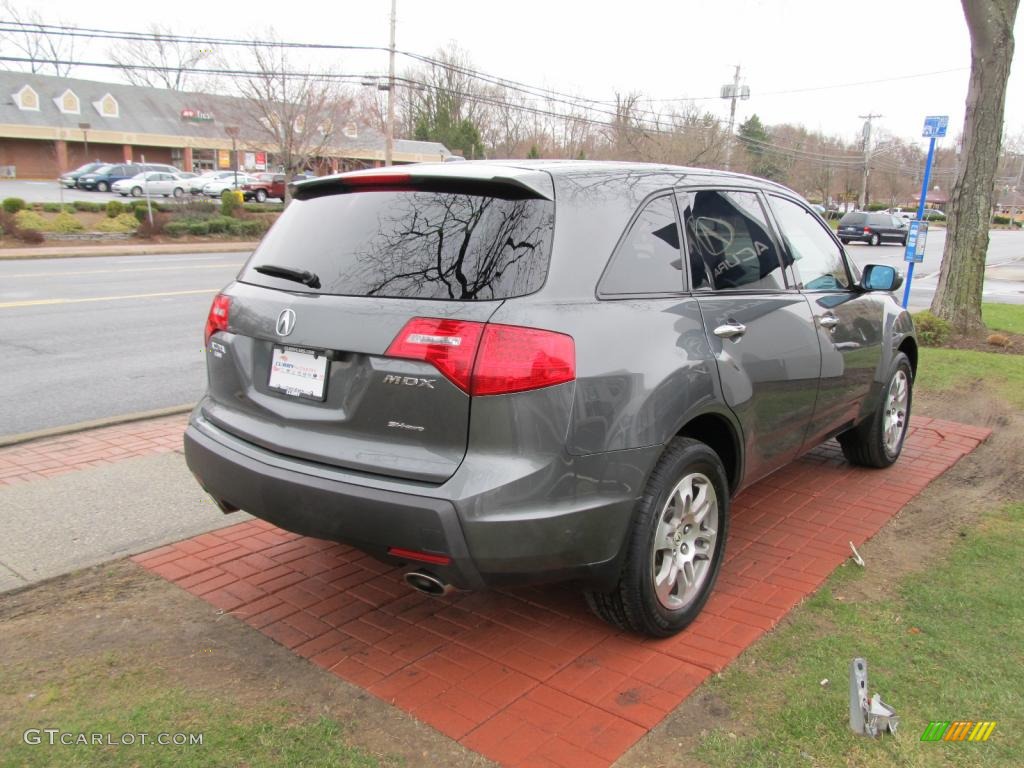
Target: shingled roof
point(154, 116)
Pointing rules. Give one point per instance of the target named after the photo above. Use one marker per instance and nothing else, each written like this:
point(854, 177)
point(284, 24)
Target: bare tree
point(297, 113)
point(35, 41)
point(161, 61)
point(958, 297)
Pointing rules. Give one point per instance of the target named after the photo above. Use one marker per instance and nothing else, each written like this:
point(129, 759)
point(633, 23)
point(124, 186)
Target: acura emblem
point(285, 322)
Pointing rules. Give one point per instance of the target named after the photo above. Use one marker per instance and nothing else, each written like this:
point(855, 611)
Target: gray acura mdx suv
point(504, 373)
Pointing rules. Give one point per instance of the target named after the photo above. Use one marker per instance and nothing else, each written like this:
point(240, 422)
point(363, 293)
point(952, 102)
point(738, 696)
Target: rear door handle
point(730, 330)
point(828, 321)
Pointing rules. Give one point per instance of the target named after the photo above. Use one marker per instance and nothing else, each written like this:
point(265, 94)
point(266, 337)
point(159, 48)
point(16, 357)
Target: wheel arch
point(909, 347)
point(720, 434)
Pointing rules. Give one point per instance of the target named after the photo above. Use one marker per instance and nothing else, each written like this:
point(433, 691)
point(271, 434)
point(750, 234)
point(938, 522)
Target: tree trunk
point(958, 296)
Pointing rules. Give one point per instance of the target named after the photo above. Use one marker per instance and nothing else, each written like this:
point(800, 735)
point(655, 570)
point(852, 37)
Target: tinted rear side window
point(411, 244)
point(856, 219)
point(649, 260)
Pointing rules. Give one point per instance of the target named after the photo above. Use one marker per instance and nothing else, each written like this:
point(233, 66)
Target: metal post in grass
point(145, 191)
point(934, 128)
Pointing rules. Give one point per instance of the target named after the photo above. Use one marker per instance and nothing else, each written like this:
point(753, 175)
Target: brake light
point(867, 231)
point(377, 180)
point(217, 320)
point(488, 359)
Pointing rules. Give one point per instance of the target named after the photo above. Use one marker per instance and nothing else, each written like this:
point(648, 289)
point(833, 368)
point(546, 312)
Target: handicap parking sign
point(935, 126)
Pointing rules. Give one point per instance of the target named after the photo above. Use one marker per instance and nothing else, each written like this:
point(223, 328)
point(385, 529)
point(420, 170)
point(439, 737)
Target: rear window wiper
point(287, 273)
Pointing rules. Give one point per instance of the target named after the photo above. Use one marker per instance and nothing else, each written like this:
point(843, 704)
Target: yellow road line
point(44, 302)
point(177, 267)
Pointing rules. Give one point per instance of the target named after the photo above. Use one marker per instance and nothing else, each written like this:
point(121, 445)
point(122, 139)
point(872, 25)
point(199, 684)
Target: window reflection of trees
point(455, 246)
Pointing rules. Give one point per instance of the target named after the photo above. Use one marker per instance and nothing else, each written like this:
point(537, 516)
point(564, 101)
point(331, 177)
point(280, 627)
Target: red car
point(267, 185)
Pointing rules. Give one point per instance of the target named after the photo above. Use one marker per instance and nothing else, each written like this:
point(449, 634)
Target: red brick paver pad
point(527, 677)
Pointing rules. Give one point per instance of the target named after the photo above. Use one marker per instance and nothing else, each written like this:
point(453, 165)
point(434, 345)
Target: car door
point(761, 334)
point(848, 321)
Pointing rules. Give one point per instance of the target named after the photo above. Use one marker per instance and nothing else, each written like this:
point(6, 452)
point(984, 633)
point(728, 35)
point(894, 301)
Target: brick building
point(49, 125)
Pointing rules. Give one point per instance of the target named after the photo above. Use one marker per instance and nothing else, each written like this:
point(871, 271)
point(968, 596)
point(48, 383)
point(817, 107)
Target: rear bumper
point(535, 543)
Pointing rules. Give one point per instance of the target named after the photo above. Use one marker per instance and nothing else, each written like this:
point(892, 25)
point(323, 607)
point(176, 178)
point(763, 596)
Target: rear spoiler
point(536, 185)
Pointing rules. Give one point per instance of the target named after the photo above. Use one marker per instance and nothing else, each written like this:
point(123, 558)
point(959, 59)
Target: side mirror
point(880, 277)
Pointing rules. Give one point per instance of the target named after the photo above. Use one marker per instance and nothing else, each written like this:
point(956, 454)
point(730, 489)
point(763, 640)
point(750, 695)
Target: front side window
point(648, 261)
point(728, 242)
point(818, 260)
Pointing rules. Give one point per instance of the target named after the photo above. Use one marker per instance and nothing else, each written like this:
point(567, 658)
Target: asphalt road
point(82, 339)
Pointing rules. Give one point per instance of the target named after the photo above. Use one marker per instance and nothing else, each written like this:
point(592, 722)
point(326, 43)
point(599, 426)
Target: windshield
point(411, 244)
point(104, 169)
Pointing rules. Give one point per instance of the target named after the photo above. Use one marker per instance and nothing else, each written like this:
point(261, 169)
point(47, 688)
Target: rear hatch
point(302, 367)
point(853, 223)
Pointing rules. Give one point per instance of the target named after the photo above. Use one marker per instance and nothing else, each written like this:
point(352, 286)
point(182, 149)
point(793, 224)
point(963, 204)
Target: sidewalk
point(78, 500)
point(112, 249)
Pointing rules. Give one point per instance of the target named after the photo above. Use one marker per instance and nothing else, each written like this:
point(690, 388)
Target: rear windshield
point(854, 218)
point(411, 244)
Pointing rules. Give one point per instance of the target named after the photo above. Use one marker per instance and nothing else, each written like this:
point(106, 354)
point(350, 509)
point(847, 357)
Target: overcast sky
point(799, 57)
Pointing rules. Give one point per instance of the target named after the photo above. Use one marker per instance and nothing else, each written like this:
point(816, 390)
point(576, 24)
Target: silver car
point(151, 183)
point(511, 373)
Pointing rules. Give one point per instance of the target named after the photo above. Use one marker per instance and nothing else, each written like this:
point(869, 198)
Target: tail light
point(488, 359)
point(217, 320)
point(867, 231)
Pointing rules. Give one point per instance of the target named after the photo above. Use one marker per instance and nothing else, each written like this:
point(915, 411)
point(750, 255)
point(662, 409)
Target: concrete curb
point(155, 249)
point(83, 426)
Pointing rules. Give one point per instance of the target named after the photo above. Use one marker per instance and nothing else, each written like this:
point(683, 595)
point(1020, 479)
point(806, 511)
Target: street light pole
point(389, 139)
point(85, 137)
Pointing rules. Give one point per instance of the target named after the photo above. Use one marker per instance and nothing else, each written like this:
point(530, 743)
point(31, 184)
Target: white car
point(216, 187)
point(151, 183)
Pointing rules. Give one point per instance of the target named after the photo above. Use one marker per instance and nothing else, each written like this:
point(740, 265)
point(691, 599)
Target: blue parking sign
point(917, 238)
point(935, 126)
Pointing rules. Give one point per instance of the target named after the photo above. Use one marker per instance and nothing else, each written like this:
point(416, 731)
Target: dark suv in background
point(873, 228)
point(504, 373)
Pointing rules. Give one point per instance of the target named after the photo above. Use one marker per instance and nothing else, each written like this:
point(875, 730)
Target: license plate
point(298, 372)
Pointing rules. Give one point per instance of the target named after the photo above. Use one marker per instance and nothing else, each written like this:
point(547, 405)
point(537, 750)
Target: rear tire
point(675, 547)
point(844, 241)
point(178, 191)
point(875, 239)
point(102, 186)
point(878, 440)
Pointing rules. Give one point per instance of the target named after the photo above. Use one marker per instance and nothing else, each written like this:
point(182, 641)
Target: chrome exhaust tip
point(427, 583)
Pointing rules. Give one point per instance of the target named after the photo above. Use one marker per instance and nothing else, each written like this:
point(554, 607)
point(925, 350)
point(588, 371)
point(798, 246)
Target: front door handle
point(730, 330)
point(829, 321)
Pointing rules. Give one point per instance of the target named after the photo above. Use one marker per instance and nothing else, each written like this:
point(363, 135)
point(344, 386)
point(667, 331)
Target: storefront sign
point(196, 116)
point(224, 158)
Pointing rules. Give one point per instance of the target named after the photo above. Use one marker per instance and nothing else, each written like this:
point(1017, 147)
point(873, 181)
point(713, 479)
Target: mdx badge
point(285, 322)
point(409, 381)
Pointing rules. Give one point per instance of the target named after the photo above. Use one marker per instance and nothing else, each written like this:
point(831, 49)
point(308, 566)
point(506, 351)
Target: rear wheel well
point(717, 433)
point(909, 348)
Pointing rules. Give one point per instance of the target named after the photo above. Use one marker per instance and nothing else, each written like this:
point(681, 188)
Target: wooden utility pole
point(389, 142)
point(863, 199)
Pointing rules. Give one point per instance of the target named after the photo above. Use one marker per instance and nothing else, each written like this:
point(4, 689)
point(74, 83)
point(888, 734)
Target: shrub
point(31, 236)
point(65, 223)
point(25, 219)
point(932, 331)
point(875, 207)
point(252, 228)
point(55, 208)
point(123, 223)
point(197, 209)
point(263, 208)
point(176, 228)
point(198, 228)
point(13, 204)
point(87, 205)
point(231, 200)
point(114, 209)
point(219, 225)
point(997, 219)
point(147, 230)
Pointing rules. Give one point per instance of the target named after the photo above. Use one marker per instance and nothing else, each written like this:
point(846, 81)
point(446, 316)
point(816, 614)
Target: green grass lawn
point(1004, 317)
point(110, 696)
point(944, 369)
point(948, 646)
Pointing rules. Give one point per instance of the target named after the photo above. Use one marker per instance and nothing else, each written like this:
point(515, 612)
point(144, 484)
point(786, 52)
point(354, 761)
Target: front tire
point(136, 191)
point(675, 547)
point(878, 441)
point(261, 196)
